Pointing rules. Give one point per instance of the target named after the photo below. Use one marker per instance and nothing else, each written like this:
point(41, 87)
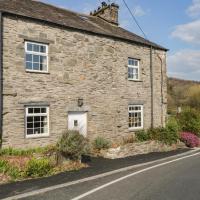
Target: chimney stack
point(107, 12)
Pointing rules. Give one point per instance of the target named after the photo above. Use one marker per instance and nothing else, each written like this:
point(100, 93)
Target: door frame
point(76, 112)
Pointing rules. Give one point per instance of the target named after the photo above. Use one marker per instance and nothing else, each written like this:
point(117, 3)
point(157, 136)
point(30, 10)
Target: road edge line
point(131, 175)
point(47, 189)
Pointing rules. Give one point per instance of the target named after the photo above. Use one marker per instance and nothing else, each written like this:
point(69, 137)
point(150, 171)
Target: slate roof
point(65, 18)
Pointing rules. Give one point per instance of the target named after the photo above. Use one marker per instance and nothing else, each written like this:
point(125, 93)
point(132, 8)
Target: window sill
point(36, 72)
point(135, 129)
point(135, 80)
point(37, 136)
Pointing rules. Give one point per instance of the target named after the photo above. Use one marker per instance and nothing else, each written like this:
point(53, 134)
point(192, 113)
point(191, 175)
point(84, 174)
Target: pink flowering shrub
point(189, 139)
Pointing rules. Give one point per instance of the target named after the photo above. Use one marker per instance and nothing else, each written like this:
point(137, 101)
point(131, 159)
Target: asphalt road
point(179, 180)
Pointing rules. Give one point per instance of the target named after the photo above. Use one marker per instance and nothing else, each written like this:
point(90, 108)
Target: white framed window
point(133, 69)
point(37, 121)
point(36, 57)
point(135, 116)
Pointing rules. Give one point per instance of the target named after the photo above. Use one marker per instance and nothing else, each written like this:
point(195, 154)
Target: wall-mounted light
point(80, 102)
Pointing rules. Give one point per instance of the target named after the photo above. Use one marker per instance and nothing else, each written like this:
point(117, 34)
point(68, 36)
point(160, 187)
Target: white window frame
point(142, 116)
point(27, 114)
point(37, 53)
point(134, 67)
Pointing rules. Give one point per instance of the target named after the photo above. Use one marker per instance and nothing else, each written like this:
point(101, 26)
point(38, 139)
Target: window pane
point(36, 66)
point(36, 124)
point(29, 125)
point(29, 57)
point(37, 119)
point(36, 58)
point(130, 72)
point(36, 48)
point(43, 49)
point(43, 118)
point(130, 61)
point(44, 123)
point(43, 60)
point(29, 47)
point(43, 67)
point(44, 130)
point(29, 119)
point(135, 70)
point(135, 76)
point(29, 131)
point(36, 110)
point(30, 110)
point(28, 65)
point(43, 110)
point(36, 130)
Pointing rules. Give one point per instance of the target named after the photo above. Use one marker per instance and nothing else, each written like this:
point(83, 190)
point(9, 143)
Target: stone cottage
point(64, 70)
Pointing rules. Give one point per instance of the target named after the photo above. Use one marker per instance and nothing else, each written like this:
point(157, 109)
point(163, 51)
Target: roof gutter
point(1, 78)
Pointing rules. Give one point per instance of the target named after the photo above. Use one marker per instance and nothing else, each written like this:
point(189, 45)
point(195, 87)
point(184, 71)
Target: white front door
point(78, 121)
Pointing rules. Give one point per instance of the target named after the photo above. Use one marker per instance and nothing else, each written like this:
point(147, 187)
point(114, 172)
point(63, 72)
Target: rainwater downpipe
point(1, 78)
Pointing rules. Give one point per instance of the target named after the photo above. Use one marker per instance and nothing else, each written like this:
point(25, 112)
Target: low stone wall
point(138, 148)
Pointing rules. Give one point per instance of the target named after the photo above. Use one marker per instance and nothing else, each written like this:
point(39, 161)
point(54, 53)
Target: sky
point(174, 24)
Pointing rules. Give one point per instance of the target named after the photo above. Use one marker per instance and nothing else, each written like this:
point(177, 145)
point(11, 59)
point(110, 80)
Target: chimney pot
point(104, 4)
point(107, 12)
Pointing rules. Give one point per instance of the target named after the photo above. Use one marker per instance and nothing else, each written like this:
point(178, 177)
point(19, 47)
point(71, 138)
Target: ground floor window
point(135, 116)
point(37, 121)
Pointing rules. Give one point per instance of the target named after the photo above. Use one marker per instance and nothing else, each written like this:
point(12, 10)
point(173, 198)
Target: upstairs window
point(37, 121)
point(133, 69)
point(135, 116)
point(36, 57)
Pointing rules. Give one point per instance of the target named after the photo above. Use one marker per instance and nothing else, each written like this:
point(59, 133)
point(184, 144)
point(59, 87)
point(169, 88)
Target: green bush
point(189, 120)
point(168, 135)
point(12, 171)
point(72, 145)
point(38, 168)
point(171, 132)
point(101, 143)
point(21, 152)
point(4, 166)
point(156, 133)
point(15, 172)
point(142, 136)
point(173, 125)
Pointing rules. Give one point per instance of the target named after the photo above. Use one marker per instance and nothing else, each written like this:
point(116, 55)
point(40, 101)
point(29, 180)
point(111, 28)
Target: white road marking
point(47, 189)
point(130, 175)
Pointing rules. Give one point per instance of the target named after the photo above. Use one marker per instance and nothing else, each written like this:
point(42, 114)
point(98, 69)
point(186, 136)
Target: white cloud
point(185, 64)
point(189, 32)
point(138, 11)
point(194, 9)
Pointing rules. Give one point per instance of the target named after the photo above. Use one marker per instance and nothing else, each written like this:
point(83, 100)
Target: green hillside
point(183, 93)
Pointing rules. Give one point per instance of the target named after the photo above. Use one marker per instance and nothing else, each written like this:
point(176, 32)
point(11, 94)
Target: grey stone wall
point(80, 65)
